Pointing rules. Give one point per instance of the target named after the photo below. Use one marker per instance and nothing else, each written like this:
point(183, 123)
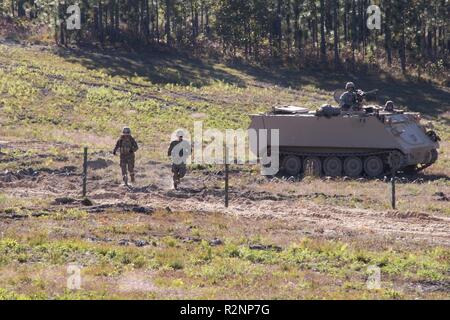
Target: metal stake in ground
point(393, 190)
point(85, 170)
point(226, 177)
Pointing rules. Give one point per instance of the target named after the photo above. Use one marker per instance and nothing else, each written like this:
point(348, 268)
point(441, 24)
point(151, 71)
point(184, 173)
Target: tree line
point(413, 33)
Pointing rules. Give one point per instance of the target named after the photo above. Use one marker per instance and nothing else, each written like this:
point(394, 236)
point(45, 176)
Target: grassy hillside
point(66, 97)
point(83, 96)
point(309, 238)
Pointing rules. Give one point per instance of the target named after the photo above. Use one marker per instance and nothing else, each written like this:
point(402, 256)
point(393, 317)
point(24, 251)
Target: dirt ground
point(251, 197)
point(280, 237)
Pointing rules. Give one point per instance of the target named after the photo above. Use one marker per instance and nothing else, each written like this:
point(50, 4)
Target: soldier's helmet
point(349, 85)
point(389, 106)
point(126, 131)
point(180, 133)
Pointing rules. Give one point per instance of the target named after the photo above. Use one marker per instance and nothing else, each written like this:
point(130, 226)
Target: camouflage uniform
point(127, 147)
point(389, 106)
point(348, 100)
point(178, 165)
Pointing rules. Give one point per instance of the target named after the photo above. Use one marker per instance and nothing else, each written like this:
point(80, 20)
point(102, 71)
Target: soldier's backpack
point(328, 111)
point(126, 146)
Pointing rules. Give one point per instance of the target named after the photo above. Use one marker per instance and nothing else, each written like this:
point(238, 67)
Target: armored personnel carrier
point(333, 142)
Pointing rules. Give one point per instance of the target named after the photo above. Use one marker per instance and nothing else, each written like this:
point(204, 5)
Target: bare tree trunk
point(297, 30)
point(354, 33)
point(100, 22)
point(315, 37)
point(147, 20)
point(193, 35)
point(62, 25)
point(323, 49)
point(207, 28)
point(288, 27)
point(117, 19)
point(158, 35)
point(278, 31)
point(402, 50)
point(387, 32)
point(346, 10)
point(56, 26)
point(336, 33)
point(112, 16)
point(167, 26)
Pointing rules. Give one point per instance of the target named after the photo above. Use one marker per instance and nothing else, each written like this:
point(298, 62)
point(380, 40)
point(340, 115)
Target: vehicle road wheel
point(353, 167)
point(396, 160)
point(332, 166)
point(292, 165)
point(373, 166)
point(312, 166)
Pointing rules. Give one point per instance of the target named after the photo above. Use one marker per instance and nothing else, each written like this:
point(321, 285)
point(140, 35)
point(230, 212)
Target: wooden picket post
point(226, 176)
point(85, 171)
point(393, 200)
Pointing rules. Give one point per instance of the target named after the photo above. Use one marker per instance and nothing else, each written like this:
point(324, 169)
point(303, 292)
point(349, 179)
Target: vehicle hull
point(350, 135)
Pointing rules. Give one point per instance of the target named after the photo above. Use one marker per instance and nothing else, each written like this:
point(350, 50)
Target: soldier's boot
point(175, 182)
point(132, 178)
point(125, 180)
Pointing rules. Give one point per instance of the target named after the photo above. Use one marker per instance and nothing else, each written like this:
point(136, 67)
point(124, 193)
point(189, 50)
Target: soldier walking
point(127, 147)
point(179, 150)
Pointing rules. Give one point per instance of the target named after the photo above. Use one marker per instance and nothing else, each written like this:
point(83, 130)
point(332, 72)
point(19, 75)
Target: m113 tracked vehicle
point(334, 142)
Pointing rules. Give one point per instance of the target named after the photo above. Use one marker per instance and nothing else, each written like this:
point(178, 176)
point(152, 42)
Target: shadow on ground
point(418, 177)
point(164, 67)
point(158, 67)
point(417, 96)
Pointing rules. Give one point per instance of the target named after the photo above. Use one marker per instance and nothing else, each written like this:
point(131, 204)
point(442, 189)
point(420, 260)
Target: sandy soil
point(153, 190)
